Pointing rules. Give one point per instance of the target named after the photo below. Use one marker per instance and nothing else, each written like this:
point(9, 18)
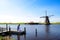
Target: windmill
point(47, 21)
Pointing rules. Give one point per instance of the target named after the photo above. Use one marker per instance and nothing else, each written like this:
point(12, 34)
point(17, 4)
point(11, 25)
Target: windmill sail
point(47, 21)
point(50, 15)
point(43, 17)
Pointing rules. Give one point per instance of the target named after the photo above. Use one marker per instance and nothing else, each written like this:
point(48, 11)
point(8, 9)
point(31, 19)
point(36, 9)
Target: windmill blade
point(50, 15)
point(43, 17)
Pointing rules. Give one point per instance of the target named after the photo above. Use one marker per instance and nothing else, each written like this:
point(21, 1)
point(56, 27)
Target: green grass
point(1, 37)
point(56, 23)
point(27, 23)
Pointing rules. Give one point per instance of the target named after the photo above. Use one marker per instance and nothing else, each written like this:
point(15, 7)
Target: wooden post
point(6, 27)
point(36, 32)
point(2, 30)
point(9, 31)
point(25, 30)
point(18, 27)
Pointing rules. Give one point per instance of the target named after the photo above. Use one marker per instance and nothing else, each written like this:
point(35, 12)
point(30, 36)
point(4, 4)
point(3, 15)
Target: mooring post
point(36, 32)
point(25, 30)
point(18, 27)
point(2, 30)
point(9, 31)
point(6, 27)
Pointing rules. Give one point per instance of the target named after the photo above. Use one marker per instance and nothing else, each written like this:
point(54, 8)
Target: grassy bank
point(56, 23)
point(1, 37)
point(31, 23)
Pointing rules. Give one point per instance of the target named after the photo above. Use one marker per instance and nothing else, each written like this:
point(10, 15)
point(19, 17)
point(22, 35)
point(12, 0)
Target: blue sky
point(29, 10)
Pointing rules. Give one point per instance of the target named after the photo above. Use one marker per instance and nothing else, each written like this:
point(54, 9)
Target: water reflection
point(24, 37)
point(18, 37)
point(36, 32)
point(47, 32)
point(11, 38)
point(6, 38)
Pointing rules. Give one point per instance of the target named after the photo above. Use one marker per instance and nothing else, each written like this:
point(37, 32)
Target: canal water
point(35, 32)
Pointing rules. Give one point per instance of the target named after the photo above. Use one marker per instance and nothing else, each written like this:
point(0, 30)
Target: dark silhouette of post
point(2, 30)
point(25, 30)
point(6, 27)
point(25, 33)
point(18, 27)
point(36, 32)
point(9, 31)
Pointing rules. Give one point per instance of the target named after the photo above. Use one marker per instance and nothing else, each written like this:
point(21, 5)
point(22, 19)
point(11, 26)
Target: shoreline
point(29, 23)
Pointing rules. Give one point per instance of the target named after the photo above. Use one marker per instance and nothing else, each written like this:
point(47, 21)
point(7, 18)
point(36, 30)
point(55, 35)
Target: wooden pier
point(12, 33)
point(5, 32)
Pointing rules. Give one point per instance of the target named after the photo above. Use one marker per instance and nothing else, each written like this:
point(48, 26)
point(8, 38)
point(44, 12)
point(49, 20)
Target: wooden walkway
point(5, 32)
